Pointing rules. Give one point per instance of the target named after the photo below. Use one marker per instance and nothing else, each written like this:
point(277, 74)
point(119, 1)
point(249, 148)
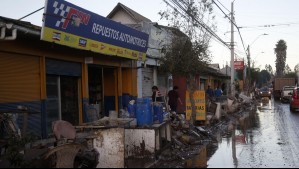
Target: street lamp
point(248, 56)
point(258, 37)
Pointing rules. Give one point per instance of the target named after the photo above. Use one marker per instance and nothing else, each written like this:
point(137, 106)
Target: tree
point(188, 55)
point(264, 77)
point(255, 75)
point(269, 69)
point(287, 69)
point(281, 56)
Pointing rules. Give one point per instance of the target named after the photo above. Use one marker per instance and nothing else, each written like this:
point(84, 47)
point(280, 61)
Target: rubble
point(222, 117)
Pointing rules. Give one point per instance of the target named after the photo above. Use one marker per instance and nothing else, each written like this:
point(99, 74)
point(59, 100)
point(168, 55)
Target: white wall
point(123, 18)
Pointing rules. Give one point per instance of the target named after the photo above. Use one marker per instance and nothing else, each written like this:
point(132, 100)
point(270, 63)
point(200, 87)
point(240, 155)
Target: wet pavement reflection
point(199, 161)
point(267, 137)
point(262, 142)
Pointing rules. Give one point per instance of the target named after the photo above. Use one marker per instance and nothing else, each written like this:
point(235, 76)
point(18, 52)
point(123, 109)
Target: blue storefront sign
point(70, 25)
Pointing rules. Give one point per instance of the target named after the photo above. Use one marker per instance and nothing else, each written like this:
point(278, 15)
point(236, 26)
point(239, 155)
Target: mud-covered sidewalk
point(193, 146)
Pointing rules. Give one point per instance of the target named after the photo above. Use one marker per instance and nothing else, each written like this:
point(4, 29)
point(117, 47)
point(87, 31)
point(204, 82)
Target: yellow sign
point(63, 38)
point(200, 105)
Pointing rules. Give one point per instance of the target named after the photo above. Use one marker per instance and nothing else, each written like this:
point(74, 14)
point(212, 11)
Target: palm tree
point(281, 56)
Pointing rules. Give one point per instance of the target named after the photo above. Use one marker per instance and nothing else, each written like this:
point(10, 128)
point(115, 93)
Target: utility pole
point(232, 79)
point(249, 71)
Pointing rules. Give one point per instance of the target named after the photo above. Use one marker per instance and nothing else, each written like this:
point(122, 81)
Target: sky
point(252, 16)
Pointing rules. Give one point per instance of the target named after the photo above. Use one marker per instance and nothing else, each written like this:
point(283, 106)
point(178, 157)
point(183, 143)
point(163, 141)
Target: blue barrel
point(158, 113)
point(132, 110)
point(125, 99)
point(144, 113)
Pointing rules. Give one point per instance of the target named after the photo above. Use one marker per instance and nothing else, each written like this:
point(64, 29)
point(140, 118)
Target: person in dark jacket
point(174, 98)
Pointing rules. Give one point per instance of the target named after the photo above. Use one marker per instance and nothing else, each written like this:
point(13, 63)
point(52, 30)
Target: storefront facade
point(62, 82)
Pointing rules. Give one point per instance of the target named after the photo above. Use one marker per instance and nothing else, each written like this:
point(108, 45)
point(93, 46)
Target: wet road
point(271, 141)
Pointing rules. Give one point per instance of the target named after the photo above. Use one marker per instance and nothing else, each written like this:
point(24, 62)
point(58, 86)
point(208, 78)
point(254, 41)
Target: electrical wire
point(270, 25)
point(204, 26)
point(31, 13)
point(233, 24)
point(223, 6)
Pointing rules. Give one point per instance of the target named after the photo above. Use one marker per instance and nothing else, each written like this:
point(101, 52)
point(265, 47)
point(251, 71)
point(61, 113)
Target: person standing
point(156, 97)
point(210, 92)
point(174, 98)
point(218, 92)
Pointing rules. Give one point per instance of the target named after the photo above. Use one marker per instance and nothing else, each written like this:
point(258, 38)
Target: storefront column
point(83, 107)
point(139, 79)
point(119, 89)
point(43, 96)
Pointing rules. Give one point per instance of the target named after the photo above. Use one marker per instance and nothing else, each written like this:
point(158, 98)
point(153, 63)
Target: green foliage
point(291, 75)
point(184, 58)
point(269, 69)
point(281, 56)
point(287, 69)
point(188, 55)
point(16, 145)
point(264, 77)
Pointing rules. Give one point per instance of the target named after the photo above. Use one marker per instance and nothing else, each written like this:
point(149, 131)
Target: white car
point(286, 93)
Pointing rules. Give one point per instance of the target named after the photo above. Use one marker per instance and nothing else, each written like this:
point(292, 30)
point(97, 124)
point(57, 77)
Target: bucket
point(113, 114)
point(144, 113)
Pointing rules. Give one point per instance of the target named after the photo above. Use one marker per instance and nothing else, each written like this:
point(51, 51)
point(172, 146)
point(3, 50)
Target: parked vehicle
point(265, 92)
point(294, 105)
point(287, 93)
point(279, 83)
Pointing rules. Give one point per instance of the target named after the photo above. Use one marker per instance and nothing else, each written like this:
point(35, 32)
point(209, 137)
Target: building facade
point(58, 82)
point(148, 74)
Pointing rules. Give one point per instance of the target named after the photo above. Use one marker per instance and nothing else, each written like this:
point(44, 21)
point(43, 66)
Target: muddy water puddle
point(227, 151)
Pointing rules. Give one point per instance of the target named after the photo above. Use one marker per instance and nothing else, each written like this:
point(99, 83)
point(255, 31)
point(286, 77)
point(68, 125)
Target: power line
point(223, 6)
point(200, 23)
point(270, 25)
point(31, 13)
point(233, 23)
point(203, 25)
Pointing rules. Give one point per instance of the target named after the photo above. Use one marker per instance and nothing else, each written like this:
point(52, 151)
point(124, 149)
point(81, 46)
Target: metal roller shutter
point(19, 78)
point(147, 82)
point(58, 67)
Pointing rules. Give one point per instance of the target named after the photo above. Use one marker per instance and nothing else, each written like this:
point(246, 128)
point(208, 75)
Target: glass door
point(69, 99)
point(62, 99)
point(53, 100)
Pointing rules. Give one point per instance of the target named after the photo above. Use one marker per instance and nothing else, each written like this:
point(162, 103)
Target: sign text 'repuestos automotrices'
point(70, 25)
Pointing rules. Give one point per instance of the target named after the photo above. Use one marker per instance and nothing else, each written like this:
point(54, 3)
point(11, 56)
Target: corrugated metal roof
point(20, 23)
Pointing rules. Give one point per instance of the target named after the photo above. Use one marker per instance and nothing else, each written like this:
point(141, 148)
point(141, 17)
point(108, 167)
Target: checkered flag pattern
point(62, 11)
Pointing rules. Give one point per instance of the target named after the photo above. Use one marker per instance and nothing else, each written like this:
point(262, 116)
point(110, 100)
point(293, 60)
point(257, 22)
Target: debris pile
point(221, 118)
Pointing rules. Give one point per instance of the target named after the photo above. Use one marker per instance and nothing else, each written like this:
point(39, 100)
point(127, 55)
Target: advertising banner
point(200, 105)
point(70, 25)
point(239, 65)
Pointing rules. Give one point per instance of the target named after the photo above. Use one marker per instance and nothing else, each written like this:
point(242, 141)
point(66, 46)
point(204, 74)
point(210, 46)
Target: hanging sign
point(239, 65)
point(70, 25)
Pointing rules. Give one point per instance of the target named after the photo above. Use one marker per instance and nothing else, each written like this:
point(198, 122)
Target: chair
point(65, 154)
point(63, 129)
